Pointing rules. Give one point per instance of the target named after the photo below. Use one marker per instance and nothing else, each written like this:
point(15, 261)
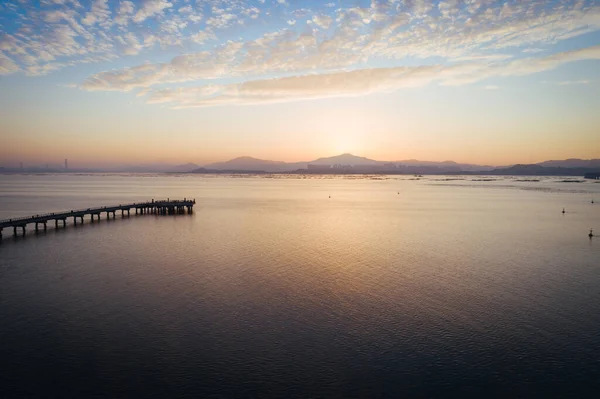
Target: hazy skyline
point(477, 81)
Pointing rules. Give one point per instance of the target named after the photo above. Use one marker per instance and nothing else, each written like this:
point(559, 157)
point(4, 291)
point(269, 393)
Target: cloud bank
point(278, 52)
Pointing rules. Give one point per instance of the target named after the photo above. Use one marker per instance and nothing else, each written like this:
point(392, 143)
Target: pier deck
point(161, 207)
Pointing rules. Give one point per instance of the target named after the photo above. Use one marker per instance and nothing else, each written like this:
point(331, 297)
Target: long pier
point(161, 207)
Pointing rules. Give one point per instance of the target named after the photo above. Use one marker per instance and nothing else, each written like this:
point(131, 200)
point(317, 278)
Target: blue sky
point(388, 79)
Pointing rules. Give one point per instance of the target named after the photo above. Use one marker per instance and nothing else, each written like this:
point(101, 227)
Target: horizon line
point(58, 165)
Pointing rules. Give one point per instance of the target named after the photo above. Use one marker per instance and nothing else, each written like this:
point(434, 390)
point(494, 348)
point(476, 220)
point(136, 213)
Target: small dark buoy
point(398, 192)
point(563, 210)
point(330, 196)
point(591, 233)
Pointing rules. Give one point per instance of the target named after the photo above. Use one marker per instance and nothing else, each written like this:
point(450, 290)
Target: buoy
point(563, 210)
point(591, 233)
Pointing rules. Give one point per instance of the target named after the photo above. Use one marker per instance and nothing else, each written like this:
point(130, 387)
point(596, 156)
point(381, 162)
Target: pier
point(162, 207)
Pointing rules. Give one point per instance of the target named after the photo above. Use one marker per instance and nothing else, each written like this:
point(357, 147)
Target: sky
point(111, 82)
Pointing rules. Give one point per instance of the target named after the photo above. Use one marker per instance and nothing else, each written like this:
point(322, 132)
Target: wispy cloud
point(573, 82)
point(356, 82)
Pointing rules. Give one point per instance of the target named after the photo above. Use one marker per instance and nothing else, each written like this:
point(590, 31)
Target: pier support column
point(36, 227)
point(56, 223)
point(75, 220)
point(45, 226)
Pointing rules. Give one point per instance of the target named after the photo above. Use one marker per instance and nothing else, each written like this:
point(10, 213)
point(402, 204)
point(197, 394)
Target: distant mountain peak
point(246, 158)
point(345, 159)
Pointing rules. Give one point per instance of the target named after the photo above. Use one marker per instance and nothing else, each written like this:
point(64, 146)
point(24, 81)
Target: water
point(273, 289)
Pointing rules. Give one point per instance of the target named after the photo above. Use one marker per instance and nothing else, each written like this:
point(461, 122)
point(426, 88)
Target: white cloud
point(124, 13)
point(63, 33)
point(251, 12)
point(7, 66)
point(130, 44)
point(150, 8)
point(99, 13)
point(221, 21)
point(574, 82)
point(203, 36)
point(322, 21)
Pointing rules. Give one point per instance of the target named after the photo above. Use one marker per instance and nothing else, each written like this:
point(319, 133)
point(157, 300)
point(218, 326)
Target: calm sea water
point(390, 288)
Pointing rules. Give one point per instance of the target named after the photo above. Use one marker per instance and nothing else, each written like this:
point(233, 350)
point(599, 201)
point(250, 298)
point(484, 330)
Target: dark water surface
point(272, 289)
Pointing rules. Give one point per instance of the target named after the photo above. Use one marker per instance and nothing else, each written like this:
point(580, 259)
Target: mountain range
point(346, 163)
point(254, 164)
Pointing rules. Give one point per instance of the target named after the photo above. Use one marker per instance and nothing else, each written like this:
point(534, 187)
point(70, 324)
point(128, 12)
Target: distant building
point(318, 167)
point(340, 166)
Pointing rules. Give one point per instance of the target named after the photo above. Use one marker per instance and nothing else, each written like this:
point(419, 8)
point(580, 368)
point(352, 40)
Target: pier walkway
point(162, 207)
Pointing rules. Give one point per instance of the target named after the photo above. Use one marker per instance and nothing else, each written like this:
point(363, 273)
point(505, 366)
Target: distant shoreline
point(564, 173)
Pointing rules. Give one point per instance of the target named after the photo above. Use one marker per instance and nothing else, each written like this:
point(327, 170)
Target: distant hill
point(345, 159)
point(448, 166)
point(411, 166)
point(250, 164)
point(539, 170)
point(572, 163)
point(347, 163)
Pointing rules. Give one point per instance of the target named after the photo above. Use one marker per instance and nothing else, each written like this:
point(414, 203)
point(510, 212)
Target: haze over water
point(392, 287)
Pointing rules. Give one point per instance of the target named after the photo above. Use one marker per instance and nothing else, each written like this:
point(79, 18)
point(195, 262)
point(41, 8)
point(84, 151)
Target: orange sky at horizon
point(105, 154)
